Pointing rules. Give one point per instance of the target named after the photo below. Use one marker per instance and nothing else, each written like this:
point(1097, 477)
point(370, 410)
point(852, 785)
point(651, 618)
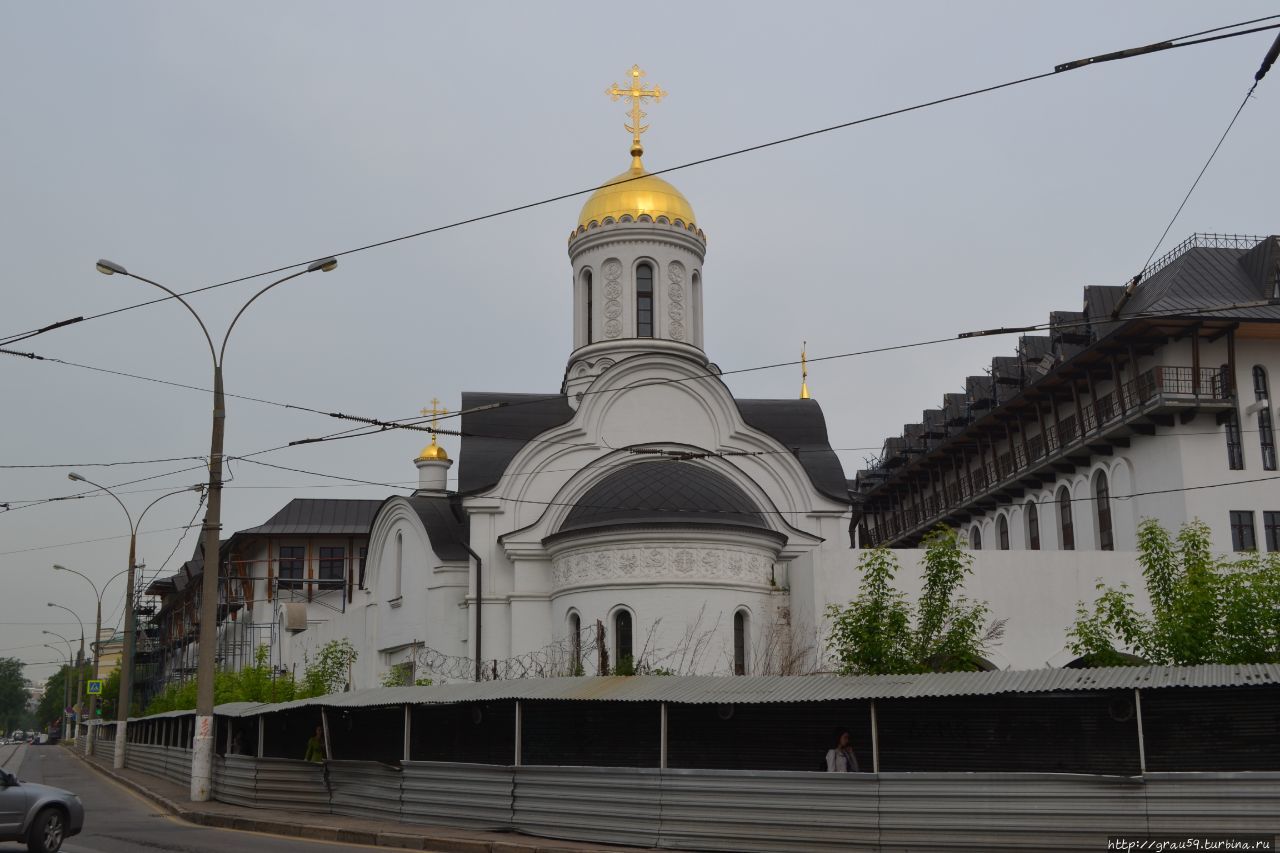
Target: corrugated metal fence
point(751, 811)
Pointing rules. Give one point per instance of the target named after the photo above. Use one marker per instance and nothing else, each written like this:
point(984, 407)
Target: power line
point(87, 541)
point(1168, 44)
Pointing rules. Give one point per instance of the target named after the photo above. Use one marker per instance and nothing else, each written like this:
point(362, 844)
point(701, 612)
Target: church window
point(1033, 526)
point(1102, 499)
point(399, 575)
point(1266, 433)
point(644, 301)
point(1271, 530)
point(695, 309)
point(332, 566)
point(586, 288)
point(975, 538)
point(1235, 447)
point(740, 643)
point(292, 560)
point(624, 662)
point(1002, 528)
point(575, 642)
point(364, 562)
point(1243, 535)
point(1065, 525)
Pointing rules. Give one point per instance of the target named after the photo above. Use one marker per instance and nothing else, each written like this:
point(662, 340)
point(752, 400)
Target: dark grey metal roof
point(663, 491)
point(492, 438)
point(1201, 277)
point(446, 532)
point(767, 689)
point(319, 516)
point(800, 426)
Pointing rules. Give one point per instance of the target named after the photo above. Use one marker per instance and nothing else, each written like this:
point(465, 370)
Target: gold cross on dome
point(434, 413)
point(637, 93)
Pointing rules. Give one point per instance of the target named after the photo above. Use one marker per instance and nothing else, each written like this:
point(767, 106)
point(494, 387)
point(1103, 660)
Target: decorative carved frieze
point(612, 294)
point(675, 299)
point(660, 563)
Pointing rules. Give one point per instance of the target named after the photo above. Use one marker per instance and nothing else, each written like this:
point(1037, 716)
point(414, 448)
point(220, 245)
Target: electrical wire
point(1168, 44)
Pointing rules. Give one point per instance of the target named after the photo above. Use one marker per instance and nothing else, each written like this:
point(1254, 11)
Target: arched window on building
point(1102, 500)
point(644, 300)
point(399, 575)
point(1065, 525)
point(740, 643)
point(1002, 531)
point(975, 538)
point(587, 301)
point(1266, 433)
point(575, 641)
point(1235, 445)
point(622, 647)
point(1033, 526)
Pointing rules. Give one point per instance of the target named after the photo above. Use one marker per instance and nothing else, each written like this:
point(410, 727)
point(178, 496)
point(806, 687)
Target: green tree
point(875, 634)
point(13, 694)
point(329, 671)
point(49, 712)
point(1204, 608)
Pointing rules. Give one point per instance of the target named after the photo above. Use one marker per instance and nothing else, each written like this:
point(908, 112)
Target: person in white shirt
point(841, 759)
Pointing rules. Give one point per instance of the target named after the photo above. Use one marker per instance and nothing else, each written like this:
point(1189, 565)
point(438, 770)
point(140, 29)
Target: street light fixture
point(66, 684)
point(202, 748)
point(97, 630)
point(130, 620)
point(80, 667)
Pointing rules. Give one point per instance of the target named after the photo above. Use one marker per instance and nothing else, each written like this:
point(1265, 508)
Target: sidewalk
point(174, 799)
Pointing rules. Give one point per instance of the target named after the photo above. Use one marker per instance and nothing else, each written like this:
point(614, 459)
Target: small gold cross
point(434, 413)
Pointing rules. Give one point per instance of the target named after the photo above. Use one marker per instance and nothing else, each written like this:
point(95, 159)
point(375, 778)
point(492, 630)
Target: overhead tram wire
point(375, 426)
point(1188, 40)
point(1267, 61)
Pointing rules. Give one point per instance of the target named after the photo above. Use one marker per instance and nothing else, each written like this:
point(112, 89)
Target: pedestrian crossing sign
point(95, 686)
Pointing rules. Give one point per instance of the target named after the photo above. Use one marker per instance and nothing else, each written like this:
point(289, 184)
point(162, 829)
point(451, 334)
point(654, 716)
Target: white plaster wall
point(1037, 593)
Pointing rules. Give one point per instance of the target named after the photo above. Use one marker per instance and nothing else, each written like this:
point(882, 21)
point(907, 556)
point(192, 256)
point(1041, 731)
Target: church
point(641, 519)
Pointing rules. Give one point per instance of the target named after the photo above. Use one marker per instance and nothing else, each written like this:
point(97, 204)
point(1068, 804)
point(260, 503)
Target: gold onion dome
point(432, 451)
point(636, 193)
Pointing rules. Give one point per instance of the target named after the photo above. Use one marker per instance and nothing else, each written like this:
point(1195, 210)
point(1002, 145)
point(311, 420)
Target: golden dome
point(432, 451)
point(633, 193)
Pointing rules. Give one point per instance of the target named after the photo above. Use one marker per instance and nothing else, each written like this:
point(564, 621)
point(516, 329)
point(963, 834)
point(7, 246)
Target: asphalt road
point(119, 821)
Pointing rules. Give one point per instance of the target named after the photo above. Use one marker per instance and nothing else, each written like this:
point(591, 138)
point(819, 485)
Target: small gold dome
point(646, 194)
point(432, 451)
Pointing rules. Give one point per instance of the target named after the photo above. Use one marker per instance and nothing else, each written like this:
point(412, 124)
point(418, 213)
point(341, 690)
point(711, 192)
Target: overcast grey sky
point(198, 142)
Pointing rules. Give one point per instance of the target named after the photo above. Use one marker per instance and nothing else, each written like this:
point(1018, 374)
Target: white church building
point(644, 518)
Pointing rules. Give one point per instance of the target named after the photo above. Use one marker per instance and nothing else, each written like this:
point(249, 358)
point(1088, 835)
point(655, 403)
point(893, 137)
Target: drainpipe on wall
point(479, 602)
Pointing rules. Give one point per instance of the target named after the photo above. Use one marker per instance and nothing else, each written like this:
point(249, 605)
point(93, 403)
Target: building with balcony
point(1153, 401)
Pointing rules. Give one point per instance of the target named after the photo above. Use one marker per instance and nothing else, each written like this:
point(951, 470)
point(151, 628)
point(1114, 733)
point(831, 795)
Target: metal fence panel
point(177, 765)
point(1007, 811)
point(145, 757)
point(474, 796)
point(364, 789)
point(234, 780)
point(1183, 803)
point(742, 810)
point(284, 783)
point(615, 805)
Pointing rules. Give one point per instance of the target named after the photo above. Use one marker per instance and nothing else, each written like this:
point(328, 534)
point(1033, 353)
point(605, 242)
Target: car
point(39, 815)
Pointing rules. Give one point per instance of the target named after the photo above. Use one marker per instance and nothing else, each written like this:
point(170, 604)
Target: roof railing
point(1202, 241)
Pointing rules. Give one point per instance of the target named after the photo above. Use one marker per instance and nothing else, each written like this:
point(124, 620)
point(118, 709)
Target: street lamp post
point(66, 686)
point(95, 646)
point(79, 664)
point(202, 752)
point(130, 620)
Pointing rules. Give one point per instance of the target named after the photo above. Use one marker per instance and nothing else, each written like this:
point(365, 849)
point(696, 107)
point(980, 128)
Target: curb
point(398, 840)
